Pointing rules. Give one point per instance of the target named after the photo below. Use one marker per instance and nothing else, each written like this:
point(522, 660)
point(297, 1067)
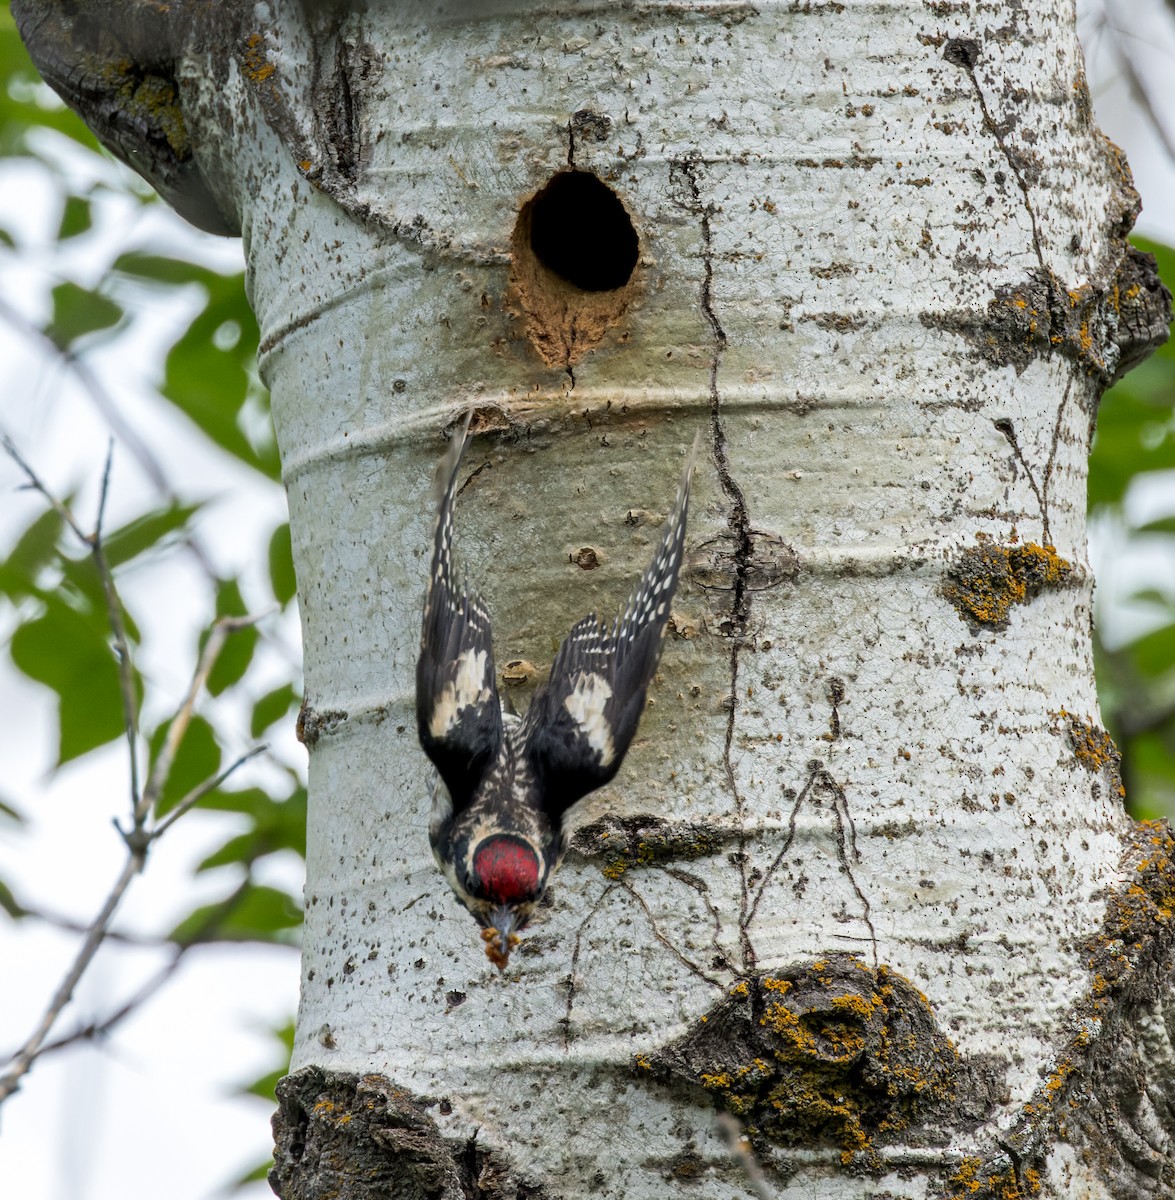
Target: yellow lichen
point(1094, 747)
point(843, 1053)
point(970, 1178)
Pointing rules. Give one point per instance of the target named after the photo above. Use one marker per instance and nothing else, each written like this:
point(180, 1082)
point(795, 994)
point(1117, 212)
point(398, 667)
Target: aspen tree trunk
point(865, 881)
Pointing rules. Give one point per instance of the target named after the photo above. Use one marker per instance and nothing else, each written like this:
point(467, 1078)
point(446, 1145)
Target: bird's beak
point(499, 936)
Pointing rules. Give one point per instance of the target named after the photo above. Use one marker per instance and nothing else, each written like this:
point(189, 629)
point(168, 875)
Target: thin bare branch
point(99, 929)
point(35, 483)
point(25, 1056)
point(198, 793)
point(122, 649)
point(1139, 92)
point(139, 837)
point(179, 723)
point(126, 669)
point(95, 1030)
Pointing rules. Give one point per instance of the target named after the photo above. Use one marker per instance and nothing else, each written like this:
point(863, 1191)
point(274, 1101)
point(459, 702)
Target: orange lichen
point(986, 580)
point(257, 67)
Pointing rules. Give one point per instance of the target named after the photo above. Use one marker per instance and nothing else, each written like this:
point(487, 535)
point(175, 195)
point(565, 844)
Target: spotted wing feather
point(580, 725)
point(458, 714)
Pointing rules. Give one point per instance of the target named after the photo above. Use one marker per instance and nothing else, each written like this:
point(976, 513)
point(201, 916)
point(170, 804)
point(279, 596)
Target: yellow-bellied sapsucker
point(505, 783)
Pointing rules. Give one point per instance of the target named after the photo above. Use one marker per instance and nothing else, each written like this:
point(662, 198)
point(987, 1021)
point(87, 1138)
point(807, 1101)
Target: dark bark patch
point(313, 723)
point(118, 72)
point(1107, 330)
point(624, 843)
point(338, 1134)
point(984, 581)
point(830, 1051)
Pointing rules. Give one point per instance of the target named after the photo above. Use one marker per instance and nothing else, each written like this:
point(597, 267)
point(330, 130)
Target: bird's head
point(504, 880)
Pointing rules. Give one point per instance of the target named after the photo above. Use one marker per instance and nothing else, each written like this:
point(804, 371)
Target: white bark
point(878, 244)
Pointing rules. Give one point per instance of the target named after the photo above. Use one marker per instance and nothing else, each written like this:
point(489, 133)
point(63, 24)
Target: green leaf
point(158, 268)
point(70, 653)
point(78, 311)
point(1152, 774)
point(250, 801)
point(76, 217)
point(261, 914)
point(210, 371)
point(1150, 596)
point(277, 825)
point(1153, 654)
point(272, 707)
point(10, 813)
point(209, 374)
point(1163, 525)
point(1133, 436)
point(196, 761)
point(10, 904)
point(34, 550)
point(144, 532)
point(260, 1173)
point(281, 565)
point(237, 653)
point(266, 1086)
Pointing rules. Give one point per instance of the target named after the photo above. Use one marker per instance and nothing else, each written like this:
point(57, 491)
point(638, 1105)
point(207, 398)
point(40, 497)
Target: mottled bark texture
point(865, 881)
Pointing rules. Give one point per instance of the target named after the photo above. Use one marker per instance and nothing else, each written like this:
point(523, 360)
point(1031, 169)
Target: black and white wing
point(580, 724)
point(458, 716)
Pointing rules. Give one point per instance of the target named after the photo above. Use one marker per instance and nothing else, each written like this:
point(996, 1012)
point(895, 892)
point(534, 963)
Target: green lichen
point(153, 101)
point(986, 580)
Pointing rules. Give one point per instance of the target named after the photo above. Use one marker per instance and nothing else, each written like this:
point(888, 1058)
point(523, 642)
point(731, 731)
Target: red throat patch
point(507, 870)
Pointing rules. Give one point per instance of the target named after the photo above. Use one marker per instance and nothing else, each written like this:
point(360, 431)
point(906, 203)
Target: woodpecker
point(505, 783)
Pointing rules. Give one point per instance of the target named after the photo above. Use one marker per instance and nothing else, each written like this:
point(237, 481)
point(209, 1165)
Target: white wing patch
point(471, 687)
point(586, 706)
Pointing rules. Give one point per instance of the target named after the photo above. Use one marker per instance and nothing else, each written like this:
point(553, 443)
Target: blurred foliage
point(51, 595)
point(1134, 448)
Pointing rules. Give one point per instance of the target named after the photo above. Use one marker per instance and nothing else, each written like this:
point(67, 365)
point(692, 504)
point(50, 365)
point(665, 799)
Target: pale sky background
point(109, 1122)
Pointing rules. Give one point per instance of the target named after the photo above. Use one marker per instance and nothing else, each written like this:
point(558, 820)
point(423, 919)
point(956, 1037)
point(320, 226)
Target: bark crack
point(820, 779)
point(688, 963)
point(721, 959)
point(566, 1021)
point(964, 52)
point(738, 520)
point(1040, 490)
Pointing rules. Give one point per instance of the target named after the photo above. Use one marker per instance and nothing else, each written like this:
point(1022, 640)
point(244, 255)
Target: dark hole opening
point(580, 231)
